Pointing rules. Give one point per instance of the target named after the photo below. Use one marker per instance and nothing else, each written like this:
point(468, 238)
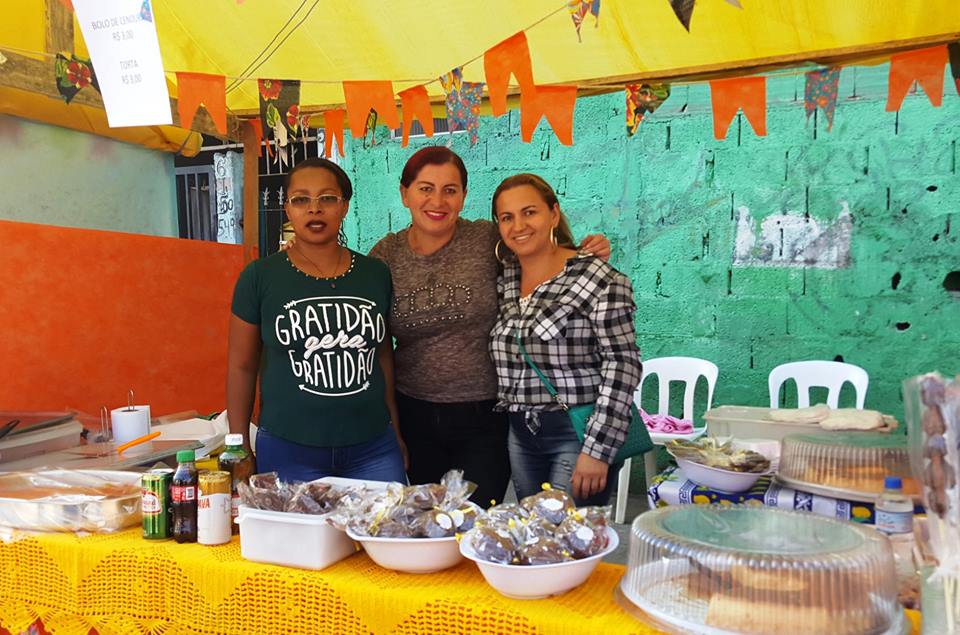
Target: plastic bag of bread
point(552, 504)
point(543, 550)
point(582, 537)
point(494, 545)
point(434, 524)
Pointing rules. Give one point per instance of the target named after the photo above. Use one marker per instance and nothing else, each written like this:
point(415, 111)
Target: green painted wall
point(57, 176)
point(669, 200)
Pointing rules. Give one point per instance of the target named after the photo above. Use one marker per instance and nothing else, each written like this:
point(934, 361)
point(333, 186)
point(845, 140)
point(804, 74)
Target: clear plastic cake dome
point(740, 569)
point(845, 465)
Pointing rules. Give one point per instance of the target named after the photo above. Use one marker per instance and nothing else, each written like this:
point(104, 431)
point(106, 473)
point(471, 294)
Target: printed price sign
point(122, 39)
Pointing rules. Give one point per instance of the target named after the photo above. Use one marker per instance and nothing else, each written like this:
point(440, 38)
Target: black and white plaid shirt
point(578, 329)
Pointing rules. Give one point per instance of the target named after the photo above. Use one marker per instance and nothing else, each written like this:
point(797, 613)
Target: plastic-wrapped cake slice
point(718, 570)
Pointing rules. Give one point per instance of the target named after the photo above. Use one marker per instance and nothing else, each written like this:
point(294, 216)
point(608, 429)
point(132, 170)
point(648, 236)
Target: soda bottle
point(183, 491)
point(236, 460)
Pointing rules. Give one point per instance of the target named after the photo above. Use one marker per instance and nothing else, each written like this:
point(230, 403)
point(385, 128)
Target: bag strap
point(543, 378)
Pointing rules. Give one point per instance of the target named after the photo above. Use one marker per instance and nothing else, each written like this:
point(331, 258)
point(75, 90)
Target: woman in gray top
point(444, 273)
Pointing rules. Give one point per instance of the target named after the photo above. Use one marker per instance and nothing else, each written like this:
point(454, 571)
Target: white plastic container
point(303, 541)
point(411, 555)
point(749, 422)
point(532, 582)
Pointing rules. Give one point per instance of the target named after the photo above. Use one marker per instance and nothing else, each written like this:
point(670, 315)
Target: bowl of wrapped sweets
point(539, 547)
point(414, 528)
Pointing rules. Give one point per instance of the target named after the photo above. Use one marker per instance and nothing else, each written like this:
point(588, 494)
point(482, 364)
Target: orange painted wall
point(86, 315)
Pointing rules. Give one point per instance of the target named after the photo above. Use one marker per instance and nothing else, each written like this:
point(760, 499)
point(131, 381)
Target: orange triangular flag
point(729, 95)
point(510, 56)
point(194, 89)
point(67, 3)
point(415, 103)
point(333, 127)
point(258, 130)
point(556, 103)
point(925, 66)
point(362, 96)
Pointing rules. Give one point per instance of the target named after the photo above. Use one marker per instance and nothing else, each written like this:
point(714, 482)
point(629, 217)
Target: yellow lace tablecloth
point(120, 583)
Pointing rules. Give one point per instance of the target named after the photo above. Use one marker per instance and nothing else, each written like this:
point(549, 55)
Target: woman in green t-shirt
point(312, 322)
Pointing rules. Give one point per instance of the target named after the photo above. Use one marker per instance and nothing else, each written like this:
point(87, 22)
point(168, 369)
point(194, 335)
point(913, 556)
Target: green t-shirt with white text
point(320, 379)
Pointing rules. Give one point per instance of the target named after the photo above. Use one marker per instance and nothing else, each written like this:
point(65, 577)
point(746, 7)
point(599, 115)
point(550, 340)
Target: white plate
point(662, 438)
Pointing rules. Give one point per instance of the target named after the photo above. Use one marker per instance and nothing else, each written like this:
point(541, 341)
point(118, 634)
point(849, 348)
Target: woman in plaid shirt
point(574, 315)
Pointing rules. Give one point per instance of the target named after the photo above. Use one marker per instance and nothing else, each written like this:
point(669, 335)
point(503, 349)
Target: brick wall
point(670, 200)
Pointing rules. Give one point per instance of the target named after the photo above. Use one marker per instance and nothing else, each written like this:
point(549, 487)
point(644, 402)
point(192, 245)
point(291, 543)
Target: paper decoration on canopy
point(145, 12)
point(684, 11)
point(415, 103)
point(953, 51)
point(821, 92)
point(194, 89)
point(510, 56)
point(258, 131)
point(463, 103)
point(333, 128)
point(643, 99)
point(556, 103)
point(729, 95)
point(67, 3)
point(361, 97)
point(279, 111)
point(579, 10)
point(735, 3)
point(73, 75)
point(924, 66)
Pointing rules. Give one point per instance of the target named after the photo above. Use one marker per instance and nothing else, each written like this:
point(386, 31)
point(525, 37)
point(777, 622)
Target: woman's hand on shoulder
point(597, 245)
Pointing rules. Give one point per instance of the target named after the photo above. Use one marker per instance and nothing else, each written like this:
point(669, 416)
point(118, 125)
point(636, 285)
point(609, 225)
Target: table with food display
point(775, 522)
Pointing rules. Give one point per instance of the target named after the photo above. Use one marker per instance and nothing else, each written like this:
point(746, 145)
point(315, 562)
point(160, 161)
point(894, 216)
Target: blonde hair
point(562, 231)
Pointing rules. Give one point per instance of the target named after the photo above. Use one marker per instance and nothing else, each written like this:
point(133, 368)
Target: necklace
point(336, 267)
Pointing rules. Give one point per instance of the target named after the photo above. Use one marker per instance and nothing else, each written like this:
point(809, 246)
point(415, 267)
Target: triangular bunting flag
point(925, 66)
point(279, 109)
point(73, 74)
point(729, 95)
point(954, 53)
point(578, 11)
point(821, 92)
point(194, 89)
point(257, 130)
point(684, 11)
point(361, 97)
point(463, 103)
point(415, 103)
point(556, 103)
point(510, 56)
point(67, 3)
point(333, 128)
point(643, 99)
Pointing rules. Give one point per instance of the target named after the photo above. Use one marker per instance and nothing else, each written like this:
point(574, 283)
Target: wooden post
point(251, 193)
point(58, 30)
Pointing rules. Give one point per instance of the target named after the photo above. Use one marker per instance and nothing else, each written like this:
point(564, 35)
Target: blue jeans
point(548, 456)
point(376, 460)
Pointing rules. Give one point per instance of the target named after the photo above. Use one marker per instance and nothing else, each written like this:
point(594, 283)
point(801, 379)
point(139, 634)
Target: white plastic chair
point(829, 375)
point(684, 369)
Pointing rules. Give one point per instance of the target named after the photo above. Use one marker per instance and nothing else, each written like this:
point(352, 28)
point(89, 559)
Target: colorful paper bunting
point(556, 103)
point(361, 97)
point(279, 109)
point(333, 127)
point(194, 89)
point(415, 103)
point(73, 75)
point(684, 11)
point(578, 11)
point(954, 52)
point(925, 66)
point(463, 103)
point(821, 92)
point(729, 95)
point(258, 130)
point(510, 56)
point(643, 99)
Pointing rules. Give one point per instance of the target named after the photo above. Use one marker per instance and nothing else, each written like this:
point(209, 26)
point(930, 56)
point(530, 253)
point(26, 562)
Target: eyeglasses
point(324, 201)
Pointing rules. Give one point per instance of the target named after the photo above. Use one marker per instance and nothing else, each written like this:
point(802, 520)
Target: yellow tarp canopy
point(323, 42)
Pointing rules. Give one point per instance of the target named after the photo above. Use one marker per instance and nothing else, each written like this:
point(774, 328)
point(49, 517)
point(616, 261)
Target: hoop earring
point(553, 237)
point(496, 251)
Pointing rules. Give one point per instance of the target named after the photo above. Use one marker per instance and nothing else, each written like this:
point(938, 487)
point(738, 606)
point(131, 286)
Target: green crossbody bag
point(638, 438)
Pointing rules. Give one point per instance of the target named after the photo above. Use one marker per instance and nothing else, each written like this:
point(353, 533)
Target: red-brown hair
point(432, 155)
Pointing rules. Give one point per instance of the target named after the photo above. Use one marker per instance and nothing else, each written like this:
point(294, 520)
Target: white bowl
point(532, 582)
point(717, 478)
point(412, 555)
